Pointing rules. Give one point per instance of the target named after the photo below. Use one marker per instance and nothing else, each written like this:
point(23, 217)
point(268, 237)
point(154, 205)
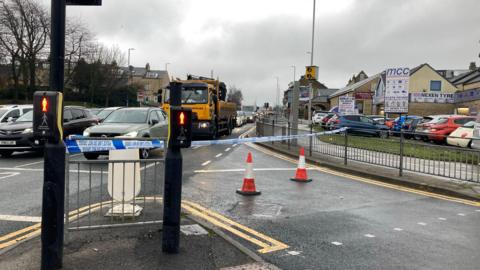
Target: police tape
point(78, 144)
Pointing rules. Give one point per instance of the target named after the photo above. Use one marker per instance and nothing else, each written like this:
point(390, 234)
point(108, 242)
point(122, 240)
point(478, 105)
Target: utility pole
point(310, 94)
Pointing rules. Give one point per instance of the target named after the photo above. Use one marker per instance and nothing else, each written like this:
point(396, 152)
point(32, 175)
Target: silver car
point(130, 123)
point(475, 144)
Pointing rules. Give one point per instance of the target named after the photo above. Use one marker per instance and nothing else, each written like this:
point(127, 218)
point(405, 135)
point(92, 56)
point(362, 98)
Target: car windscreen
point(3, 111)
point(27, 117)
point(194, 95)
point(103, 114)
point(439, 120)
point(470, 124)
point(127, 116)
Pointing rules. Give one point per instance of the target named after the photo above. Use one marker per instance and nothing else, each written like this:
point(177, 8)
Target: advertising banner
point(346, 105)
point(396, 90)
point(432, 97)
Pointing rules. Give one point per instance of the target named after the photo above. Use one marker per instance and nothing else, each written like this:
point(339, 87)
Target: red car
point(442, 127)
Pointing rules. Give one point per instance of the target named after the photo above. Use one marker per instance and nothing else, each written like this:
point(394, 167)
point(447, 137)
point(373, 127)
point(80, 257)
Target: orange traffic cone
point(301, 174)
point(248, 187)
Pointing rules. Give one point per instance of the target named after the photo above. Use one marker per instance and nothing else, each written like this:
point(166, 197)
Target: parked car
point(399, 122)
point(9, 113)
point(475, 144)
point(317, 118)
point(380, 120)
point(132, 123)
point(332, 122)
point(462, 136)
point(359, 124)
point(104, 113)
point(17, 136)
point(326, 118)
point(421, 129)
point(441, 128)
point(249, 117)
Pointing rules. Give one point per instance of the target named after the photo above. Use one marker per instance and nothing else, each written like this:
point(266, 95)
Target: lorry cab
point(212, 115)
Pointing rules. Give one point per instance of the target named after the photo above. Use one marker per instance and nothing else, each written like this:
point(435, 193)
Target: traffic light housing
point(48, 115)
point(84, 2)
point(180, 132)
point(311, 72)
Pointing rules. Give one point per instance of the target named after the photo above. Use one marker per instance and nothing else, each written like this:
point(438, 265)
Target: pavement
point(340, 220)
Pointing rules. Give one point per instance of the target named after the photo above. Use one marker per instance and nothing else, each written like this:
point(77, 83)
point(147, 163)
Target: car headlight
point(27, 131)
point(204, 125)
point(131, 134)
point(86, 132)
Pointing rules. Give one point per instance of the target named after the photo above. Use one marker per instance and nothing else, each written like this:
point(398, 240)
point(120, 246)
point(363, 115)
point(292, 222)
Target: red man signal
point(44, 104)
point(180, 134)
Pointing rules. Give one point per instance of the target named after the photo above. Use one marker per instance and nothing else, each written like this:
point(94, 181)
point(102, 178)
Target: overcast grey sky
point(249, 42)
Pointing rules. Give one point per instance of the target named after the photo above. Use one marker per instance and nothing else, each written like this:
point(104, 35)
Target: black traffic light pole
point(54, 154)
point(172, 195)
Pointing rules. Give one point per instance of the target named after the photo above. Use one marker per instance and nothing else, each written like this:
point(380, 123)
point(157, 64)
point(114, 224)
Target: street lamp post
point(311, 64)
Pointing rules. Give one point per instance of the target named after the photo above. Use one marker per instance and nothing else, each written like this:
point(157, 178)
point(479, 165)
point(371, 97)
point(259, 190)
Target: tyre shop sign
point(396, 90)
point(430, 97)
point(346, 105)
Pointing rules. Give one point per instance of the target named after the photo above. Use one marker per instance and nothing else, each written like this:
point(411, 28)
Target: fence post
point(273, 129)
point(67, 198)
point(288, 131)
point(284, 132)
point(402, 140)
point(311, 138)
point(345, 158)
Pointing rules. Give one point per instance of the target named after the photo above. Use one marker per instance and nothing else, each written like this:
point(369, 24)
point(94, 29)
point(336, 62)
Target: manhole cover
point(262, 210)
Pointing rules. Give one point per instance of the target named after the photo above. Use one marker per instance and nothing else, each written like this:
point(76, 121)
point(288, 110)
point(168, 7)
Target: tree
point(235, 95)
point(24, 30)
point(78, 44)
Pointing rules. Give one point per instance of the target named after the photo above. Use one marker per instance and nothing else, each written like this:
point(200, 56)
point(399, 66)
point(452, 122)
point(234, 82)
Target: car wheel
point(91, 156)
point(383, 134)
point(144, 153)
point(6, 153)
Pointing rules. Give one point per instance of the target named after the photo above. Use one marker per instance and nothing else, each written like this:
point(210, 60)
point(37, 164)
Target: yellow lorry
point(213, 116)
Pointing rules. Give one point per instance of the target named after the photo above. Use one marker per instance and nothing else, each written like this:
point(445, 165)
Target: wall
point(425, 109)
point(420, 81)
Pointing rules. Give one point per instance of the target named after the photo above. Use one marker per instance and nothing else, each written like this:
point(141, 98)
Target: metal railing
point(396, 150)
point(112, 193)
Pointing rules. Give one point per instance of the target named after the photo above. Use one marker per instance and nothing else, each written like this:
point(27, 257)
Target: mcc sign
point(396, 90)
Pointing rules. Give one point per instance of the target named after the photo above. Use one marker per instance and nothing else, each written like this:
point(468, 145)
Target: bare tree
point(24, 31)
point(235, 95)
point(78, 45)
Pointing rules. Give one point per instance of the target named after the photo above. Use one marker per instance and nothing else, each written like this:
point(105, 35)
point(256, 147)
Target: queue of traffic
point(455, 130)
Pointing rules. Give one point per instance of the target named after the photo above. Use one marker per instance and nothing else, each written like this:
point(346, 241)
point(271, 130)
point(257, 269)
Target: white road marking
point(228, 149)
point(461, 214)
point(41, 161)
point(195, 147)
point(241, 170)
point(369, 235)
point(442, 218)
point(206, 163)
point(398, 229)
point(219, 155)
point(294, 253)
point(478, 210)
point(234, 145)
point(422, 223)
point(20, 218)
point(337, 243)
point(8, 174)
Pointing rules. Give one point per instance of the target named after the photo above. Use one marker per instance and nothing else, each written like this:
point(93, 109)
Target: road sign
point(396, 90)
point(47, 115)
point(346, 105)
point(311, 72)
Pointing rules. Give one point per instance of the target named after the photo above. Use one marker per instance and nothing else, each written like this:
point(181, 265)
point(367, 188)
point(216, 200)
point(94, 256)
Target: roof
point(143, 72)
point(354, 86)
point(468, 77)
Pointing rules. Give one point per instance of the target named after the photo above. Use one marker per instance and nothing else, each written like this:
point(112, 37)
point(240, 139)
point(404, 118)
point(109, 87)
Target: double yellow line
point(266, 243)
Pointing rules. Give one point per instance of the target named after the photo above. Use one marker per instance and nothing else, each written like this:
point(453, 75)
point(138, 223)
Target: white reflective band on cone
point(249, 171)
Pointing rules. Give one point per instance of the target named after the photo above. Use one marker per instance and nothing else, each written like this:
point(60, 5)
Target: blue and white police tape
point(82, 145)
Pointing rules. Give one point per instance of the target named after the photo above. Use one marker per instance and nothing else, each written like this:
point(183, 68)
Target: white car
point(241, 120)
point(462, 136)
point(317, 118)
point(9, 113)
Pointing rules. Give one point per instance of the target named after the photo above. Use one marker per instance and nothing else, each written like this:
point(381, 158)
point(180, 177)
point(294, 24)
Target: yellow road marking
point(209, 214)
point(369, 181)
point(266, 243)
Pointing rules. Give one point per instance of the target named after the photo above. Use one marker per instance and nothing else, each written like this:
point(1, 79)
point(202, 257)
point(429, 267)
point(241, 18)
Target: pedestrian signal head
point(48, 115)
point(182, 118)
point(180, 133)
